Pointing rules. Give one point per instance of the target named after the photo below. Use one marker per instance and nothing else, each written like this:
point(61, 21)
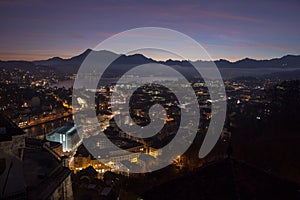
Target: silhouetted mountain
point(12, 64)
point(223, 63)
point(176, 62)
point(55, 59)
point(81, 57)
point(69, 66)
point(125, 62)
point(136, 59)
point(289, 61)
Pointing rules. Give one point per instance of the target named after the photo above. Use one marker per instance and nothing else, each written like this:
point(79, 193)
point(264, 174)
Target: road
point(46, 119)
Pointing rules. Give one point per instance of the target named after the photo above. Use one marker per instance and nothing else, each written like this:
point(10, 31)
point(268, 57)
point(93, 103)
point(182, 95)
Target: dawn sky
point(32, 30)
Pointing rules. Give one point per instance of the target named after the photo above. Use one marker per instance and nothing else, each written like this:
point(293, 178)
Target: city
point(136, 100)
point(44, 113)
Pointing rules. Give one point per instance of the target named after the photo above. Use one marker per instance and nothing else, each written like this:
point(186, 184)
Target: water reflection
point(40, 130)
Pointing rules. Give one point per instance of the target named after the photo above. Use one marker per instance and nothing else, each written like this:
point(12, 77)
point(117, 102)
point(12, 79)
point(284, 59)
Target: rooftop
point(8, 128)
point(43, 173)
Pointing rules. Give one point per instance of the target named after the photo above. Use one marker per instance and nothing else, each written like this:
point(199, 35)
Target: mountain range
point(71, 65)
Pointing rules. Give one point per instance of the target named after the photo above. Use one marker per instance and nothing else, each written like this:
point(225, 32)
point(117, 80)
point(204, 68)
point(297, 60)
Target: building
point(46, 174)
point(83, 159)
point(12, 138)
point(12, 144)
point(67, 136)
point(28, 168)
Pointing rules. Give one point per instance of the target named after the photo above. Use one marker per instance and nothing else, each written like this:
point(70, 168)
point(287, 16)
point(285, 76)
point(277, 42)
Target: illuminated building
point(29, 170)
point(67, 136)
point(83, 159)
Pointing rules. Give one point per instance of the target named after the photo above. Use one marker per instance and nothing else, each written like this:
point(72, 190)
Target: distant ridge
point(71, 65)
point(285, 61)
point(288, 61)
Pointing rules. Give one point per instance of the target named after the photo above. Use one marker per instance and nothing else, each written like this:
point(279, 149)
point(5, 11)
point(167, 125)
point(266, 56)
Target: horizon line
point(66, 57)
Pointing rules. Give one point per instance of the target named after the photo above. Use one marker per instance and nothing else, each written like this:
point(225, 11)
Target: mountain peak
point(247, 59)
point(81, 56)
point(55, 59)
point(87, 51)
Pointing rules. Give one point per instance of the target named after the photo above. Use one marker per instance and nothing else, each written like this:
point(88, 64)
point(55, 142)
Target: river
point(38, 131)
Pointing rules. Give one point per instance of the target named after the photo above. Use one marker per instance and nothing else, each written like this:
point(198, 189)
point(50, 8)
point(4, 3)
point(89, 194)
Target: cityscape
point(63, 138)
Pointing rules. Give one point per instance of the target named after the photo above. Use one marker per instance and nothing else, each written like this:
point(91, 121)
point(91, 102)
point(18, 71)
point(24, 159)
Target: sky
point(232, 30)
